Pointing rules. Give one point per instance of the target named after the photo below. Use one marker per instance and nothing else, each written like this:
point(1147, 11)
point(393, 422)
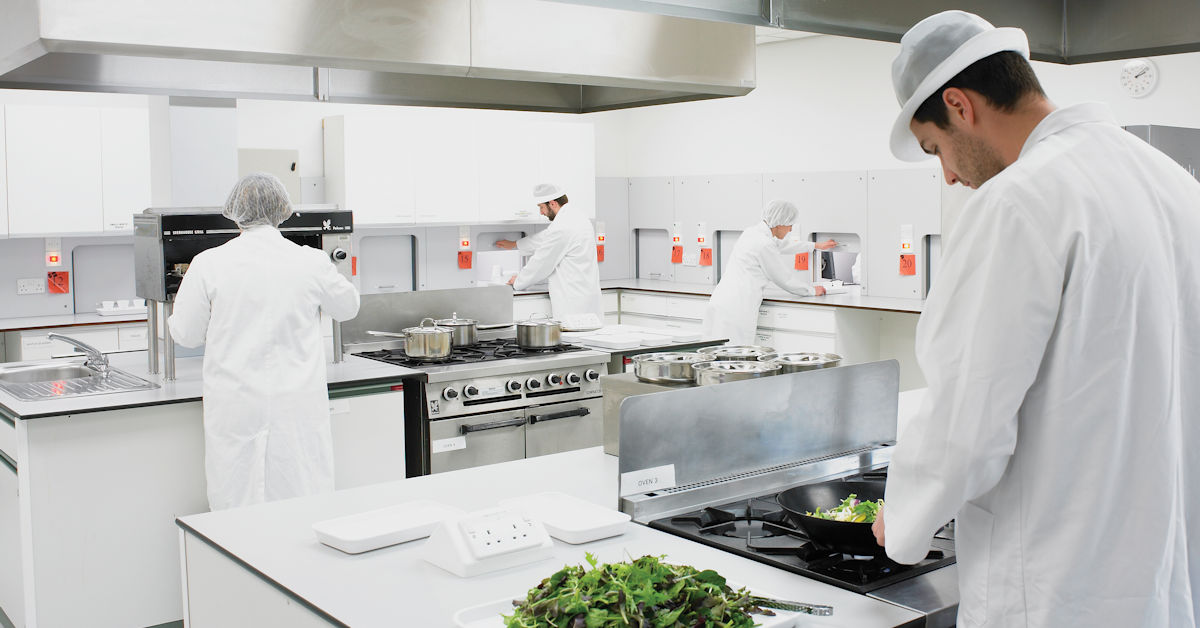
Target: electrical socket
point(35, 285)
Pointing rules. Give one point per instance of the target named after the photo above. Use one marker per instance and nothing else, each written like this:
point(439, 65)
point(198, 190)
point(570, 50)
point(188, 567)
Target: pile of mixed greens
point(645, 593)
point(851, 510)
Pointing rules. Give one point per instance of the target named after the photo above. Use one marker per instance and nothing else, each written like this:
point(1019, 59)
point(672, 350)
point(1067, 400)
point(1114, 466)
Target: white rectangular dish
point(365, 531)
point(570, 519)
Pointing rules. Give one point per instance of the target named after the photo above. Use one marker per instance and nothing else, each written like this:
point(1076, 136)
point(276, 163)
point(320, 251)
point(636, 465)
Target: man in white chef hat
point(1063, 401)
point(565, 254)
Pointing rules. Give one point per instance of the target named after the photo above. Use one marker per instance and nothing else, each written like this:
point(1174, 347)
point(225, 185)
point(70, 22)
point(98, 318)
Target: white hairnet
point(778, 213)
point(546, 192)
point(934, 51)
point(258, 199)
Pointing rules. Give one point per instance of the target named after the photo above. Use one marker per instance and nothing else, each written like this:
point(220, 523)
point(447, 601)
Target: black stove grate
point(758, 529)
point(484, 351)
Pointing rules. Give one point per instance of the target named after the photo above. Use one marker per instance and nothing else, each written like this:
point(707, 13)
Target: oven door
point(476, 440)
point(559, 427)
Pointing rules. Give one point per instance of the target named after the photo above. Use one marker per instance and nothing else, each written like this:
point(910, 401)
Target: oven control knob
point(513, 386)
point(339, 255)
point(450, 394)
point(554, 379)
point(591, 375)
point(572, 379)
point(533, 383)
point(470, 392)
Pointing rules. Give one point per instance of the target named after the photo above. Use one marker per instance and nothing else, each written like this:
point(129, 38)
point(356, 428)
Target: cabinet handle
point(559, 415)
point(495, 425)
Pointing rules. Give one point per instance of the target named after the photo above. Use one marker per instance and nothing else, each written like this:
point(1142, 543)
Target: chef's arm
point(551, 248)
point(980, 344)
point(190, 314)
point(792, 247)
point(339, 297)
point(528, 245)
point(772, 264)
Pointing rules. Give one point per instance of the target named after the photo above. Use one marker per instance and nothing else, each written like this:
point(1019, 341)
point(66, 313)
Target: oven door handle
point(534, 418)
point(495, 425)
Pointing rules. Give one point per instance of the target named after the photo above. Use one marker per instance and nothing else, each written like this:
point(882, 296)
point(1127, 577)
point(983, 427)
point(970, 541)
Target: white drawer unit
point(610, 301)
point(793, 342)
point(641, 303)
point(691, 308)
point(528, 305)
point(661, 322)
point(814, 319)
point(132, 337)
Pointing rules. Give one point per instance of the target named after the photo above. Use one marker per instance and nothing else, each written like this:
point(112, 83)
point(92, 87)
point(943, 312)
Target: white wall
point(826, 103)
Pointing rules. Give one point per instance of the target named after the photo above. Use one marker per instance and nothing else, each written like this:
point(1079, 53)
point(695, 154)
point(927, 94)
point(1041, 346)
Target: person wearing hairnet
point(1062, 413)
point(564, 252)
point(255, 303)
point(757, 258)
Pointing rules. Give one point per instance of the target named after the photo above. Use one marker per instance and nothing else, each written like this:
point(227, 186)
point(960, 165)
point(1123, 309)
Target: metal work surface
point(30, 381)
point(717, 431)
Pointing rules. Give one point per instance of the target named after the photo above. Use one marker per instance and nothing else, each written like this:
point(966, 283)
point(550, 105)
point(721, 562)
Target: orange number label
point(908, 264)
point(706, 257)
point(802, 261)
point(677, 254)
point(464, 259)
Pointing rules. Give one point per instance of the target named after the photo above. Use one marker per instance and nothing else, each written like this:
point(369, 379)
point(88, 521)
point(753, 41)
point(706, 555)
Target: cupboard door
point(368, 167)
point(507, 169)
point(125, 165)
point(3, 181)
point(445, 185)
point(54, 172)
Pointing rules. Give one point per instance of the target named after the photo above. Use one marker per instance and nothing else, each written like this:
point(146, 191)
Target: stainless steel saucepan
point(738, 353)
point(721, 371)
point(464, 331)
point(539, 332)
point(427, 342)
point(667, 367)
point(796, 362)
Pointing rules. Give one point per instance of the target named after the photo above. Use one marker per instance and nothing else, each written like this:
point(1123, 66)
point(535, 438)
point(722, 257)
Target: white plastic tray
point(570, 519)
point(612, 341)
point(365, 531)
point(121, 311)
point(489, 615)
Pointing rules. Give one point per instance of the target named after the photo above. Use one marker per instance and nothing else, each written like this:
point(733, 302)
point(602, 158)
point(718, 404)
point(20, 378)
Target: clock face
point(1138, 77)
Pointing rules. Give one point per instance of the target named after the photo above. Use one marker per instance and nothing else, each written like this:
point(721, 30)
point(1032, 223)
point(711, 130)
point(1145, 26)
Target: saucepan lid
point(455, 321)
point(431, 328)
point(539, 320)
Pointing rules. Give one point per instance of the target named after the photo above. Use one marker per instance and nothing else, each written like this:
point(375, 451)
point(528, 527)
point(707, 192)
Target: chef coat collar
point(261, 231)
point(1066, 117)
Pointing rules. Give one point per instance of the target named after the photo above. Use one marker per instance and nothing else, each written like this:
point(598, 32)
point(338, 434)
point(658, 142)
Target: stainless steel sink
point(58, 379)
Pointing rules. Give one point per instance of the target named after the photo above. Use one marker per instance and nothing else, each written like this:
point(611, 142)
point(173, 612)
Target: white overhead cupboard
point(73, 169)
point(417, 166)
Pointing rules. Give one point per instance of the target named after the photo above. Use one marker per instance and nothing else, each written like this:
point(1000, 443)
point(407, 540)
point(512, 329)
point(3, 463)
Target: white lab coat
point(1061, 345)
point(564, 252)
point(253, 302)
point(732, 311)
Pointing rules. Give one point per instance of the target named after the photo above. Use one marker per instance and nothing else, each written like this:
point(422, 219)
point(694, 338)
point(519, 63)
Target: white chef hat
point(546, 192)
point(934, 51)
point(778, 213)
point(258, 199)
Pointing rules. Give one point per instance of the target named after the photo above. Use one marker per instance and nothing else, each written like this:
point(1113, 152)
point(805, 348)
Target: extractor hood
point(1060, 31)
point(503, 54)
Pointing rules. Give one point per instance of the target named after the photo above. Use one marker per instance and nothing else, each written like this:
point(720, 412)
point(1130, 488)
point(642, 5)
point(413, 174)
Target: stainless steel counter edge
point(188, 386)
point(51, 321)
point(861, 302)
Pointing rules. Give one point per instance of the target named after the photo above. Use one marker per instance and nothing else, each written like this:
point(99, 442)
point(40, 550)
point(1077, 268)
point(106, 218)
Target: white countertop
point(394, 586)
point(67, 320)
point(186, 387)
point(859, 301)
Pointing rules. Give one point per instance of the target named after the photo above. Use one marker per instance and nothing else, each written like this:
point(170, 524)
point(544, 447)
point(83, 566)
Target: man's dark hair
point(562, 200)
point(1003, 79)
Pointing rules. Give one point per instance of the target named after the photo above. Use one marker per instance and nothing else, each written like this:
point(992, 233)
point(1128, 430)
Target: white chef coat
point(1061, 345)
point(253, 302)
point(732, 311)
point(565, 252)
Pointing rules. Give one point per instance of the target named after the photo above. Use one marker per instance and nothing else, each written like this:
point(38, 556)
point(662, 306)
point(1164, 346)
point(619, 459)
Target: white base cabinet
point(35, 344)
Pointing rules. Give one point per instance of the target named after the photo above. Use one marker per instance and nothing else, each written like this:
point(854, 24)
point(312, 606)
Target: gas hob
point(484, 351)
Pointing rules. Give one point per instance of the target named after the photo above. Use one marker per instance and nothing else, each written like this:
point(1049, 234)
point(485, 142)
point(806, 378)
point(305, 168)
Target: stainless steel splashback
point(396, 310)
point(713, 432)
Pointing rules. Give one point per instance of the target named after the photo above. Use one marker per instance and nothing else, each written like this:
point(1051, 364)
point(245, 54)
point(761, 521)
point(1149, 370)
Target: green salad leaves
point(851, 510)
point(644, 593)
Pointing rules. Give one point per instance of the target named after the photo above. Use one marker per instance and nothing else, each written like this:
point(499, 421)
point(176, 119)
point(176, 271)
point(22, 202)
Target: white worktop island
point(262, 565)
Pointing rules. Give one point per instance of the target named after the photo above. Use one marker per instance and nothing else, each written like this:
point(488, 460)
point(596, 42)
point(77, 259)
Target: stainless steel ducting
point(504, 54)
point(1061, 31)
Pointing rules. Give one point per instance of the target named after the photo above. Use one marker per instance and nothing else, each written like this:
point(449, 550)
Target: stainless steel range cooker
point(495, 402)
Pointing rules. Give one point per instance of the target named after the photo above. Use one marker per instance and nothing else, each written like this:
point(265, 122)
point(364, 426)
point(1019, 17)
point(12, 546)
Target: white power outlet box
point(486, 541)
point(36, 285)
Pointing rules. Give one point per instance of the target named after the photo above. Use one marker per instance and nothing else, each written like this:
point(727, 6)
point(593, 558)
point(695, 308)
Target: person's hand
point(820, 290)
point(507, 245)
point(512, 279)
point(877, 528)
point(826, 245)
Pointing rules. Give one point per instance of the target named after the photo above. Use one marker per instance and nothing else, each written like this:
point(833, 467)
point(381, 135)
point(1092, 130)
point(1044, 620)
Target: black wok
point(840, 536)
